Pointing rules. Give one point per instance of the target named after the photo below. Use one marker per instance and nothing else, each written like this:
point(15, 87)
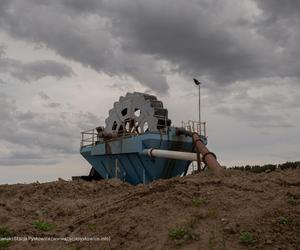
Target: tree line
point(268, 167)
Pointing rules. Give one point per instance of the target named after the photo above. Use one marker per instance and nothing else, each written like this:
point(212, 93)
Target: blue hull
point(123, 157)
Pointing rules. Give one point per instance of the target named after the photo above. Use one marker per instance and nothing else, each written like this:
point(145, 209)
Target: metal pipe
point(176, 155)
point(208, 157)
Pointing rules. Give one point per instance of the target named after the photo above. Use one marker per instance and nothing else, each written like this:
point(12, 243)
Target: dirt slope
point(240, 211)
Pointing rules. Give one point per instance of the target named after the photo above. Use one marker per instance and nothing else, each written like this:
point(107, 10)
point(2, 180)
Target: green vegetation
point(212, 213)
point(177, 233)
point(247, 238)
point(4, 233)
point(196, 202)
point(4, 243)
point(284, 220)
point(267, 167)
point(182, 234)
point(92, 227)
point(292, 201)
point(42, 225)
point(72, 248)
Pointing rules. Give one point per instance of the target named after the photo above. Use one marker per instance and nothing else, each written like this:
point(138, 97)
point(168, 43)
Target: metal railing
point(88, 137)
point(194, 126)
point(91, 137)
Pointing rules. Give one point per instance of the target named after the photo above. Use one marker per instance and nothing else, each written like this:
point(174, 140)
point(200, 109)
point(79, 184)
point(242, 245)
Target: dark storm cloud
point(32, 136)
point(3, 6)
point(231, 44)
point(40, 69)
point(34, 70)
point(187, 35)
point(279, 8)
point(90, 6)
point(279, 24)
point(130, 38)
point(86, 39)
point(198, 39)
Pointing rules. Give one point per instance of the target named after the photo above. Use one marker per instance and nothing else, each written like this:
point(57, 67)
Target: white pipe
point(177, 155)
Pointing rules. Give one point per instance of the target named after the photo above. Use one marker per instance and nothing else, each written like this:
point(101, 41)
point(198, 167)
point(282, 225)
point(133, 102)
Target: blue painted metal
point(123, 157)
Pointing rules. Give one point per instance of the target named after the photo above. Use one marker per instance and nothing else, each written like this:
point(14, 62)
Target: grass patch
point(72, 248)
point(247, 238)
point(182, 234)
point(292, 201)
point(92, 227)
point(177, 233)
point(42, 225)
point(284, 220)
point(212, 213)
point(5, 233)
point(196, 202)
point(4, 243)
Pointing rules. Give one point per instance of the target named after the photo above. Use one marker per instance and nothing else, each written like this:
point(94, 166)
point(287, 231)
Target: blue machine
point(123, 156)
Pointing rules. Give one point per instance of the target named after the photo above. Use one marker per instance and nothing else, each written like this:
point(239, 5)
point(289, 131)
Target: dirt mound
point(242, 210)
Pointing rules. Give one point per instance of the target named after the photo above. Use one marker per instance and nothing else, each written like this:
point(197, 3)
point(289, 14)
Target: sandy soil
point(240, 211)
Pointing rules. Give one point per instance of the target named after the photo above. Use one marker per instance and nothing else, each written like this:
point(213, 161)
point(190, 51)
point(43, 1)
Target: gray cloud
point(40, 69)
point(2, 50)
point(28, 157)
point(236, 47)
point(279, 24)
point(204, 41)
point(34, 70)
point(278, 8)
point(32, 136)
point(189, 36)
point(54, 105)
point(130, 38)
point(48, 101)
point(256, 118)
point(2, 81)
point(44, 96)
point(85, 39)
point(3, 6)
point(259, 105)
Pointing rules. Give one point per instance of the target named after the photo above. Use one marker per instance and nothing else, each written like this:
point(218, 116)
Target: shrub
point(42, 225)
point(4, 233)
point(247, 238)
point(182, 234)
point(284, 220)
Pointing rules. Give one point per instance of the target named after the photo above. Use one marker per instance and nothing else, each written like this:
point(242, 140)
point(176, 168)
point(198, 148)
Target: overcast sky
point(64, 62)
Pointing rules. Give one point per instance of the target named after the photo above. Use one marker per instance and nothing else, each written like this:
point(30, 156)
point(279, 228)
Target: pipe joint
point(206, 154)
